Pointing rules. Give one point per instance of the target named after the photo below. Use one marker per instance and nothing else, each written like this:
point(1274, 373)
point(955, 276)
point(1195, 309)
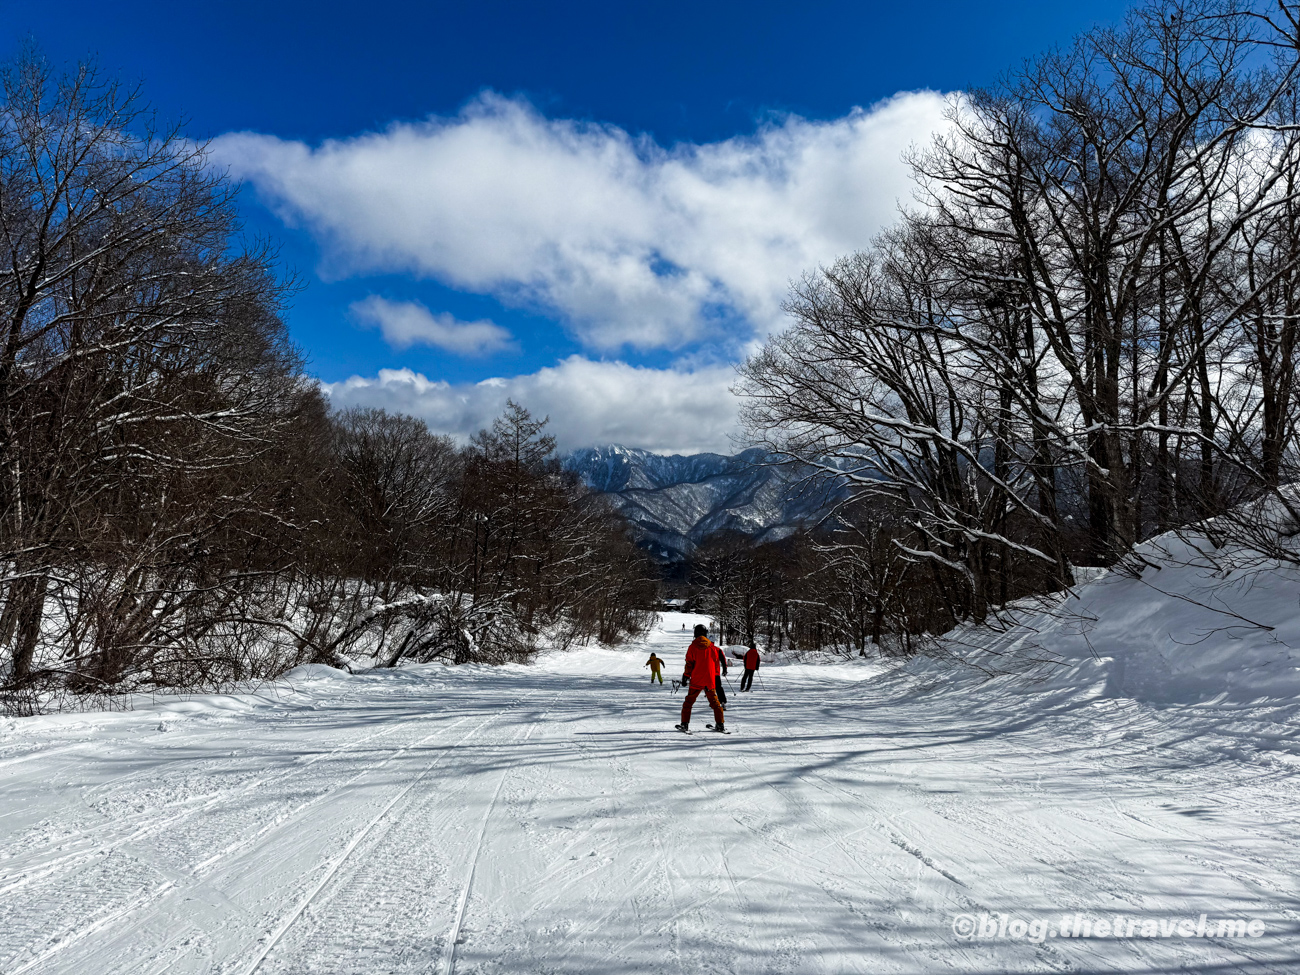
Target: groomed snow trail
point(548, 819)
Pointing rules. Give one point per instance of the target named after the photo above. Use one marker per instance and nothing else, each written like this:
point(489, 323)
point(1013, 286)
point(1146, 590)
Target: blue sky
point(593, 207)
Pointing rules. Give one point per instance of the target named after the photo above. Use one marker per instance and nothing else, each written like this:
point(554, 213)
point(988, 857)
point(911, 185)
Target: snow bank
point(1179, 622)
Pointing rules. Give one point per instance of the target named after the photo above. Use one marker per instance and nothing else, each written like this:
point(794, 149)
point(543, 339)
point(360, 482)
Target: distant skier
point(656, 666)
point(751, 665)
point(702, 674)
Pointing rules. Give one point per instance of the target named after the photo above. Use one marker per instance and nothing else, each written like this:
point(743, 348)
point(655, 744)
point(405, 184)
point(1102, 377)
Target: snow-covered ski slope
point(548, 819)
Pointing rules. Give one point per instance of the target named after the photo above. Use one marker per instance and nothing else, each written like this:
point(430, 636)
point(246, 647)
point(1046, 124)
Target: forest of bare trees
point(844, 585)
point(1082, 334)
point(178, 505)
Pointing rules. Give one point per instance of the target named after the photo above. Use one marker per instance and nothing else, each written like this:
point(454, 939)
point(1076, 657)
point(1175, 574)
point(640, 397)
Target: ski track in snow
point(548, 819)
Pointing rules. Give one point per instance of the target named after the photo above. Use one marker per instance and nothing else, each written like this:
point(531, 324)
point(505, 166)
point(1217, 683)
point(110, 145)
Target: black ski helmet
point(701, 629)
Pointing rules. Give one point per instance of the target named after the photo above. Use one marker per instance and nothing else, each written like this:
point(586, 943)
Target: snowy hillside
point(1180, 621)
point(1132, 811)
point(675, 502)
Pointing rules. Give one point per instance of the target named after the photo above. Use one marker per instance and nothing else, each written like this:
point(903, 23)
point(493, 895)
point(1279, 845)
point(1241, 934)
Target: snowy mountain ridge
point(617, 468)
point(675, 502)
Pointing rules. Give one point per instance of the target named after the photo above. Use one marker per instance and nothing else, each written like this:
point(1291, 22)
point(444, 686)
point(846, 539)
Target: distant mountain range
point(675, 502)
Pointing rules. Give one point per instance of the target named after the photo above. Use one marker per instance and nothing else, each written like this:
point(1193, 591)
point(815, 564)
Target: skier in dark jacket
point(722, 672)
point(751, 665)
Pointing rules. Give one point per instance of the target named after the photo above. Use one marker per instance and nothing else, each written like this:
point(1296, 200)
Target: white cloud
point(408, 323)
point(631, 244)
point(664, 410)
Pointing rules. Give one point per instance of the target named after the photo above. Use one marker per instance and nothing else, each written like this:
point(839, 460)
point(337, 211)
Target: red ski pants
point(713, 703)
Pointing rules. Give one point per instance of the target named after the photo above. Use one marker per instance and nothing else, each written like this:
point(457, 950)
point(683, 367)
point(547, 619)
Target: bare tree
point(143, 364)
point(1084, 333)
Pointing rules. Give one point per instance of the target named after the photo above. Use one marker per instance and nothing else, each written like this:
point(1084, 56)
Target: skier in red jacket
point(751, 665)
point(702, 674)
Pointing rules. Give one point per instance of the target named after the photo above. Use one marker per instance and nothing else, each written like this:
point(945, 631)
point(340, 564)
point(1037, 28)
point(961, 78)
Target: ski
point(722, 730)
point(685, 731)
